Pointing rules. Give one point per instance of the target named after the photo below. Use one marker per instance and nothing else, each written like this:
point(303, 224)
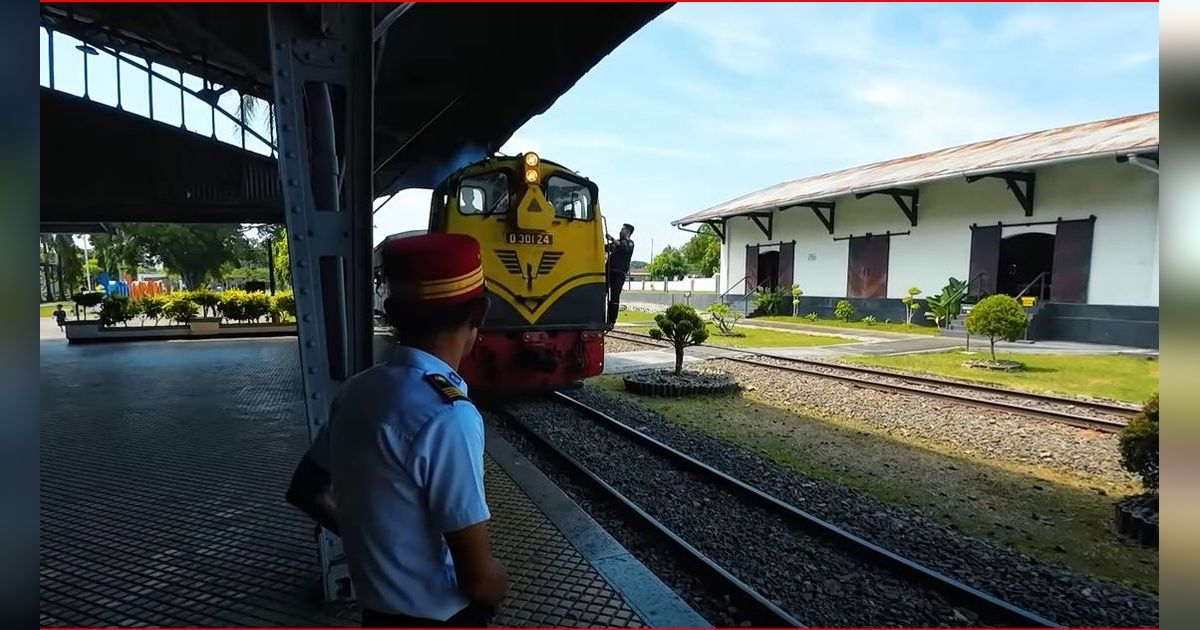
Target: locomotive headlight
point(531, 159)
point(531, 176)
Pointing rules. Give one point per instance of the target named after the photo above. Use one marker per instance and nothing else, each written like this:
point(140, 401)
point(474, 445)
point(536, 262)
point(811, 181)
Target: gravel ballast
point(1061, 594)
point(984, 433)
point(818, 583)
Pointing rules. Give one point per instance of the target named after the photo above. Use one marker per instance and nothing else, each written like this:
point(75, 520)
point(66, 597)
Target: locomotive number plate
point(529, 238)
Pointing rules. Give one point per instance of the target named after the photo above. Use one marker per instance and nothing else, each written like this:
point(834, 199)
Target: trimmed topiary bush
point(283, 303)
point(997, 317)
point(181, 308)
point(1139, 445)
point(208, 300)
point(680, 325)
point(233, 304)
point(151, 306)
point(115, 309)
point(257, 306)
point(86, 300)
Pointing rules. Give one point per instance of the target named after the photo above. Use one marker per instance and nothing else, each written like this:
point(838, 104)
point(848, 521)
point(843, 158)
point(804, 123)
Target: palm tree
point(251, 109)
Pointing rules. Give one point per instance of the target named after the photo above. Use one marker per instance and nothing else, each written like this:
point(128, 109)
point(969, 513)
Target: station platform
point(163, 468)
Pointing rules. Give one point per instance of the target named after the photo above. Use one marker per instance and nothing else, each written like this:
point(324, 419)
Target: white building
point(1068, 214)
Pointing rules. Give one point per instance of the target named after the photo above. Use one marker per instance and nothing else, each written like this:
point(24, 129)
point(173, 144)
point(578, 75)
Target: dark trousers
point(616, 282)
point(473, 616)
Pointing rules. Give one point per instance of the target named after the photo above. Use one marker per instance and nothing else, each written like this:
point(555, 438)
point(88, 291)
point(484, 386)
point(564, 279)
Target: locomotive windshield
point(571, 199)
point(484, 194)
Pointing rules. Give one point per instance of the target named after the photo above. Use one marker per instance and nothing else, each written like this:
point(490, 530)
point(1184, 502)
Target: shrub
point(869, 320)
point(911, 305)
point(152, 306)
point(1139, 444)
point(181, 308)
point(233, 304)
point(115, 309)
point(766, 302)
point(87, 299)
point(997, 317)
point(284, 303)
point(844, 310)
point(724, 316)
point(812, 317)
point(945, 306)
point(257, 305)
point(680, 325)
point(207, 300)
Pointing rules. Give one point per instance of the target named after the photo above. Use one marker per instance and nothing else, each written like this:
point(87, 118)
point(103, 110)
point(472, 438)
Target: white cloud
point(731, 38)
point(521, 144)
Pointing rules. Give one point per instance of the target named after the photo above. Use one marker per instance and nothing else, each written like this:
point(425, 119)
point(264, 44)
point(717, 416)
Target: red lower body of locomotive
point(525, 361)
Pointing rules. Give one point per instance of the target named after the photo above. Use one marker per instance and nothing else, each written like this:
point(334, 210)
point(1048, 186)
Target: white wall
point(1124, 198)
point(701, 285)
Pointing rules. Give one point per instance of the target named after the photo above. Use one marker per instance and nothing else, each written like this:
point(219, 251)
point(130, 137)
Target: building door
point(787, 264)
point(751, 277)
point(768, 270)
point(1072, 261)
point(1024, 257)
point(985, 260)
point(868, 267)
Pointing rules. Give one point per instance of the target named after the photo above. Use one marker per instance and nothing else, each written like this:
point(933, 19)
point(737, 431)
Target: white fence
point(691, 285)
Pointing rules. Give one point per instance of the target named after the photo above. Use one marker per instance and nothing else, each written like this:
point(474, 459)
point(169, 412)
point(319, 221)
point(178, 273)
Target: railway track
point(1106, 417)
point(909, 580)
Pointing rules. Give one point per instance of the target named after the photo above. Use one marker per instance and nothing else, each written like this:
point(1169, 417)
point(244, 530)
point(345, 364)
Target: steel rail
point(750, 602)
point(955, 590)
point(1099, 424)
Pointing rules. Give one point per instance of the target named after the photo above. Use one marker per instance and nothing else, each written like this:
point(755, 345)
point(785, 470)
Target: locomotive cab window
point(571, 199)
point(484, 194)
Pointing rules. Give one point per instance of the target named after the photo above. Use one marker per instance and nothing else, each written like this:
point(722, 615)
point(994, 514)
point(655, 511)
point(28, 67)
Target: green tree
point(997, 317)
point(680, 325)
point(195, 252)
point(667, 265)
point(279, 257)
point(70, 264)
point(702, 252)
point(118, 252)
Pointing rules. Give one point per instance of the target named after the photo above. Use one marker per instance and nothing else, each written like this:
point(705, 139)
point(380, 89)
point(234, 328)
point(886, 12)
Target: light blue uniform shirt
point(407, 466)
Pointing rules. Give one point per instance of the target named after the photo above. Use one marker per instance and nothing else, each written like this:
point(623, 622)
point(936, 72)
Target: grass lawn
point(634, 317)
point(837, 323)
point(1129, 379)
point(983, 498)
point(763, 338)
point(48, 309)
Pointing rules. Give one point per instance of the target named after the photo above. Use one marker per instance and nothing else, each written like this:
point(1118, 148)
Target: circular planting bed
point(1137, 518)
point(668, 383)
point(1002, 366)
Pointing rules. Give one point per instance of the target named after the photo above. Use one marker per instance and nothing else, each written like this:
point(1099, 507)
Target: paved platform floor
point(163, 467)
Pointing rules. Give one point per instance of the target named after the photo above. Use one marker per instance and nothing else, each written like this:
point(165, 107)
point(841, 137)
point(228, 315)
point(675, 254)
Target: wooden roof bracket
point(1019, 182)
point(767, 229)
point(908, 199)
point(817, 207)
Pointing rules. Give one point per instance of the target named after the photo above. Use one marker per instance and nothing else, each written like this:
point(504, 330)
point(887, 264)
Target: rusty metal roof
point(1114, 137)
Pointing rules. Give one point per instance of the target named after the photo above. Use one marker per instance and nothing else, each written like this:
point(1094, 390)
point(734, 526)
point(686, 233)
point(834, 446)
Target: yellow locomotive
point(539, 228)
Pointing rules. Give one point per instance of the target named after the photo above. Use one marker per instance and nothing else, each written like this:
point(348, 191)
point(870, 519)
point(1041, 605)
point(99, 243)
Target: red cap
point(433, 269)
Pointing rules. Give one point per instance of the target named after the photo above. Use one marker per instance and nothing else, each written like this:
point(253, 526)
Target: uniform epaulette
point(446, 388)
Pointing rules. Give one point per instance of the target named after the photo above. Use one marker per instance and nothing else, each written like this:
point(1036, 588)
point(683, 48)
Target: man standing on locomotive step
point(404, 452)
point(620, 252)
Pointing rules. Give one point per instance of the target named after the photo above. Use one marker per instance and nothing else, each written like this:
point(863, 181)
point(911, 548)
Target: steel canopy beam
point(908, 199)
point(1020, 183)
point(322, 68)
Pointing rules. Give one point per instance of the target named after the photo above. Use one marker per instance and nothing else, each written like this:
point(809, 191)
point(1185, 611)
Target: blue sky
point(712, 101)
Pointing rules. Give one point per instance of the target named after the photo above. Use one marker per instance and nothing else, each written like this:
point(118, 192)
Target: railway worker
point(404, 452)
point(620, 252)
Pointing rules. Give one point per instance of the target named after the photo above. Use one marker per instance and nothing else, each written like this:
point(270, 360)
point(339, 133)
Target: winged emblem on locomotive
point(512, 263)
